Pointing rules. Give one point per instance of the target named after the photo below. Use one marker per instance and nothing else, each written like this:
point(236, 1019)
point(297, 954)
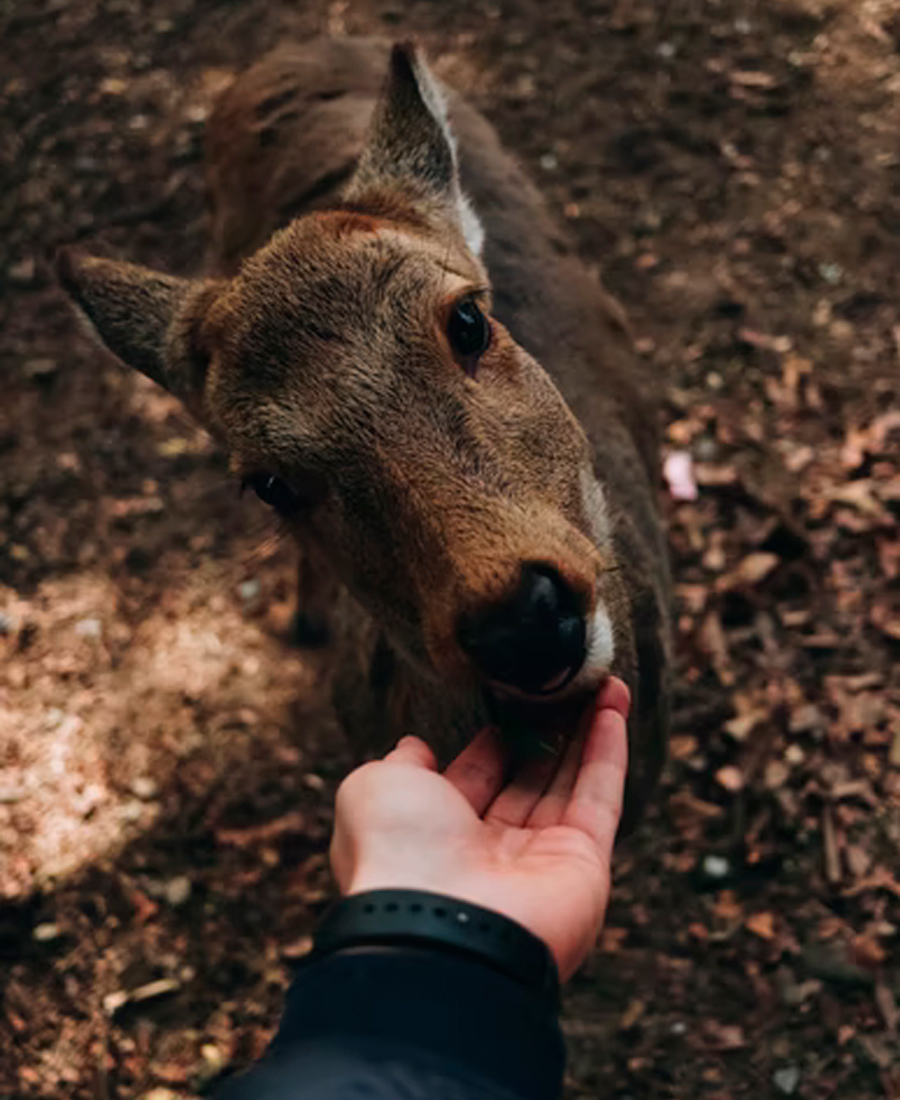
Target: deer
point(401, 354)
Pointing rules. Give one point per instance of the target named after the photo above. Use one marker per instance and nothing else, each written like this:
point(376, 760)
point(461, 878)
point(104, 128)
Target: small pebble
point(213, 1056)
point(707, 449)
point(786, 1080)
point(776, 775)
point(716, 867)
point(22, 273)
point(144, 787)
point(831, 273)
point(45, 933)
point(249, 590)
point(178, 890)
point(89, 628)
point(54, 717)
point(6, 624)
point(132, 810)
point(113, 85)
point(197, 113)
point(549, 162)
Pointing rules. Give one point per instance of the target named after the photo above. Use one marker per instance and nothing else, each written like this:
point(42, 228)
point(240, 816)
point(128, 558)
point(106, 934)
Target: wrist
point(432, 920)
point(369, 880)
point(402, 870)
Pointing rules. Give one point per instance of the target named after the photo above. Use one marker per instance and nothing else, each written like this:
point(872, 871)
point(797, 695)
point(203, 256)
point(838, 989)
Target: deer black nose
point(535, 641)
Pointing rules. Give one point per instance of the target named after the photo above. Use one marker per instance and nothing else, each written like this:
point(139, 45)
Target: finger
point(552, 805)
point(514, 804)
point(614, 694)
point(412, 750)
point(596, 803)
point(477, 773)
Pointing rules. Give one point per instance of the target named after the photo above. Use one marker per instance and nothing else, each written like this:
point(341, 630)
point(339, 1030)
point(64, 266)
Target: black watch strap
point(419, 918)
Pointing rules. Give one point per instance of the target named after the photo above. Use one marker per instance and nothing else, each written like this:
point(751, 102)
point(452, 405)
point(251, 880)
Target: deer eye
point(273, 491)
point(306, 490)
point(469, 333)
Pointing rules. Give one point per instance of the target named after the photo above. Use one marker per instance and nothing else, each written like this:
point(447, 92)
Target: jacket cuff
point(427, 1004)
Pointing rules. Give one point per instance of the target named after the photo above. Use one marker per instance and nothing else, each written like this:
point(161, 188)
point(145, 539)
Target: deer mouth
point(542, 719)
point(558, 682)
point(554, 687)
point(538, 725)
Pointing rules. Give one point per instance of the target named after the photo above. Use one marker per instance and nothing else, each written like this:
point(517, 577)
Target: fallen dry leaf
point(713, 641)
point(635, 1010)
point(681, 747)
point(887, 1005)
point(710, 475)
point(293, 822)
point(880, 879)
point(865, 950)
point(741, 726)
point(751, 570)
point(723, 1036)
point(727, 907)
point(886, 620)
point(753, 79)
point(832, 844)
point(858, 860)
point(612, 939)
point(761, 924)
point(296, 949)
point(685, 806)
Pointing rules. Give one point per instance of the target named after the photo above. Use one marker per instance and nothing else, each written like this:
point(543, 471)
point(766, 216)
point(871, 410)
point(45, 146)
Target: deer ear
point(412, 149)
point(150, 321)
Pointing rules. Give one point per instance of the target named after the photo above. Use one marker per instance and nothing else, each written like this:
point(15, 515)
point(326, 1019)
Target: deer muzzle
point(536, 640)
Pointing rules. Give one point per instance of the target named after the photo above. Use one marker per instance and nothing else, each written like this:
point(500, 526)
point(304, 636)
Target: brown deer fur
point(342, 235)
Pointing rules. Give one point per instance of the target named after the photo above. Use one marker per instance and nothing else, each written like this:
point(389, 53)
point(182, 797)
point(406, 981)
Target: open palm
point(537, 848)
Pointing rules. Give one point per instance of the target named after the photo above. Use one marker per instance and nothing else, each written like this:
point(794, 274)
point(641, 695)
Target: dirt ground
point(167, 761)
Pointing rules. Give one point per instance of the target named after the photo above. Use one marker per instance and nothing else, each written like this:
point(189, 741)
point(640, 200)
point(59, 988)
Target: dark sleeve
point(385, 1023)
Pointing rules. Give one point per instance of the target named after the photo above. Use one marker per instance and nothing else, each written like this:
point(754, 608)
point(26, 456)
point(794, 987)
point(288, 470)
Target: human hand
point(537, 849)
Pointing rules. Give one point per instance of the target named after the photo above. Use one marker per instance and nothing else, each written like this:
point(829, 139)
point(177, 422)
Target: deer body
point(499, 473)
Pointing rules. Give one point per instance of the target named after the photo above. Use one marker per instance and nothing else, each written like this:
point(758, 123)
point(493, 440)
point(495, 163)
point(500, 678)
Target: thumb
point(412, 751)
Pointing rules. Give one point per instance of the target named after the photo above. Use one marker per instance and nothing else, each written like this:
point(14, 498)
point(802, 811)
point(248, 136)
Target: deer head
point(355, 376)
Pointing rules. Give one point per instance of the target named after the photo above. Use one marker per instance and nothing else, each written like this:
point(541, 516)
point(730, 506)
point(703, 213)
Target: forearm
point(392, 1014)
